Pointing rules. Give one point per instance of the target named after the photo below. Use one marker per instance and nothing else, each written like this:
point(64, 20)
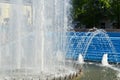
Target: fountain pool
point(96, 46)
point(35, 42)
point(94, 71)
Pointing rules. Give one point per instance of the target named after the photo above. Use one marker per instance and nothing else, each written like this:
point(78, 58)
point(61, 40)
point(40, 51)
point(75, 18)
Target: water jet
point(34, 40)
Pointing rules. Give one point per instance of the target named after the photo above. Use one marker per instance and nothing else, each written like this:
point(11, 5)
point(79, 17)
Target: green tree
point(90, 12)
point(115, 12)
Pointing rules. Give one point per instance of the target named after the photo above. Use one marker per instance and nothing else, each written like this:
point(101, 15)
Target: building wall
point(5, 9)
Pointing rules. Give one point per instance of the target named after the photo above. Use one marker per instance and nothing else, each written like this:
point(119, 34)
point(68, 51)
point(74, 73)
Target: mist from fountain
point(38, 47)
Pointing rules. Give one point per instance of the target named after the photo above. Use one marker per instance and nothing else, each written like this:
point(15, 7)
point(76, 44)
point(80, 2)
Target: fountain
point(33, 42)
point(105, 60)
point(80, 59)
point(91, 46)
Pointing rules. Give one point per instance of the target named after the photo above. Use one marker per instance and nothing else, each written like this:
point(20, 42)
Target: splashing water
point(34, 40)
point(80, 59)
point(105, 60)
point(91, 45)
point(102, 37)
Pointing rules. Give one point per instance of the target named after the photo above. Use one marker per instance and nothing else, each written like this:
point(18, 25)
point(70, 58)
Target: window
point(5, 13)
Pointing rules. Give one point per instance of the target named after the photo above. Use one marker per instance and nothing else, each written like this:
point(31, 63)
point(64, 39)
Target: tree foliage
point(115, 12)
point(91, 12)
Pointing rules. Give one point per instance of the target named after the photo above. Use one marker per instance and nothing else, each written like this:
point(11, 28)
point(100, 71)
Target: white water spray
point(34, 40)
point(105, 60)
point(80, 59)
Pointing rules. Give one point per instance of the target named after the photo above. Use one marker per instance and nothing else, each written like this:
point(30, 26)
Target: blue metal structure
point(98, 46)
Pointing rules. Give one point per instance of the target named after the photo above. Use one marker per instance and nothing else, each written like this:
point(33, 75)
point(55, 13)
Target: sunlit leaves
point(91, 12)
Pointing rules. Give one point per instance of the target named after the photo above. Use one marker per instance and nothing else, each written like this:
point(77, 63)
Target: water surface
point(99, 72)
